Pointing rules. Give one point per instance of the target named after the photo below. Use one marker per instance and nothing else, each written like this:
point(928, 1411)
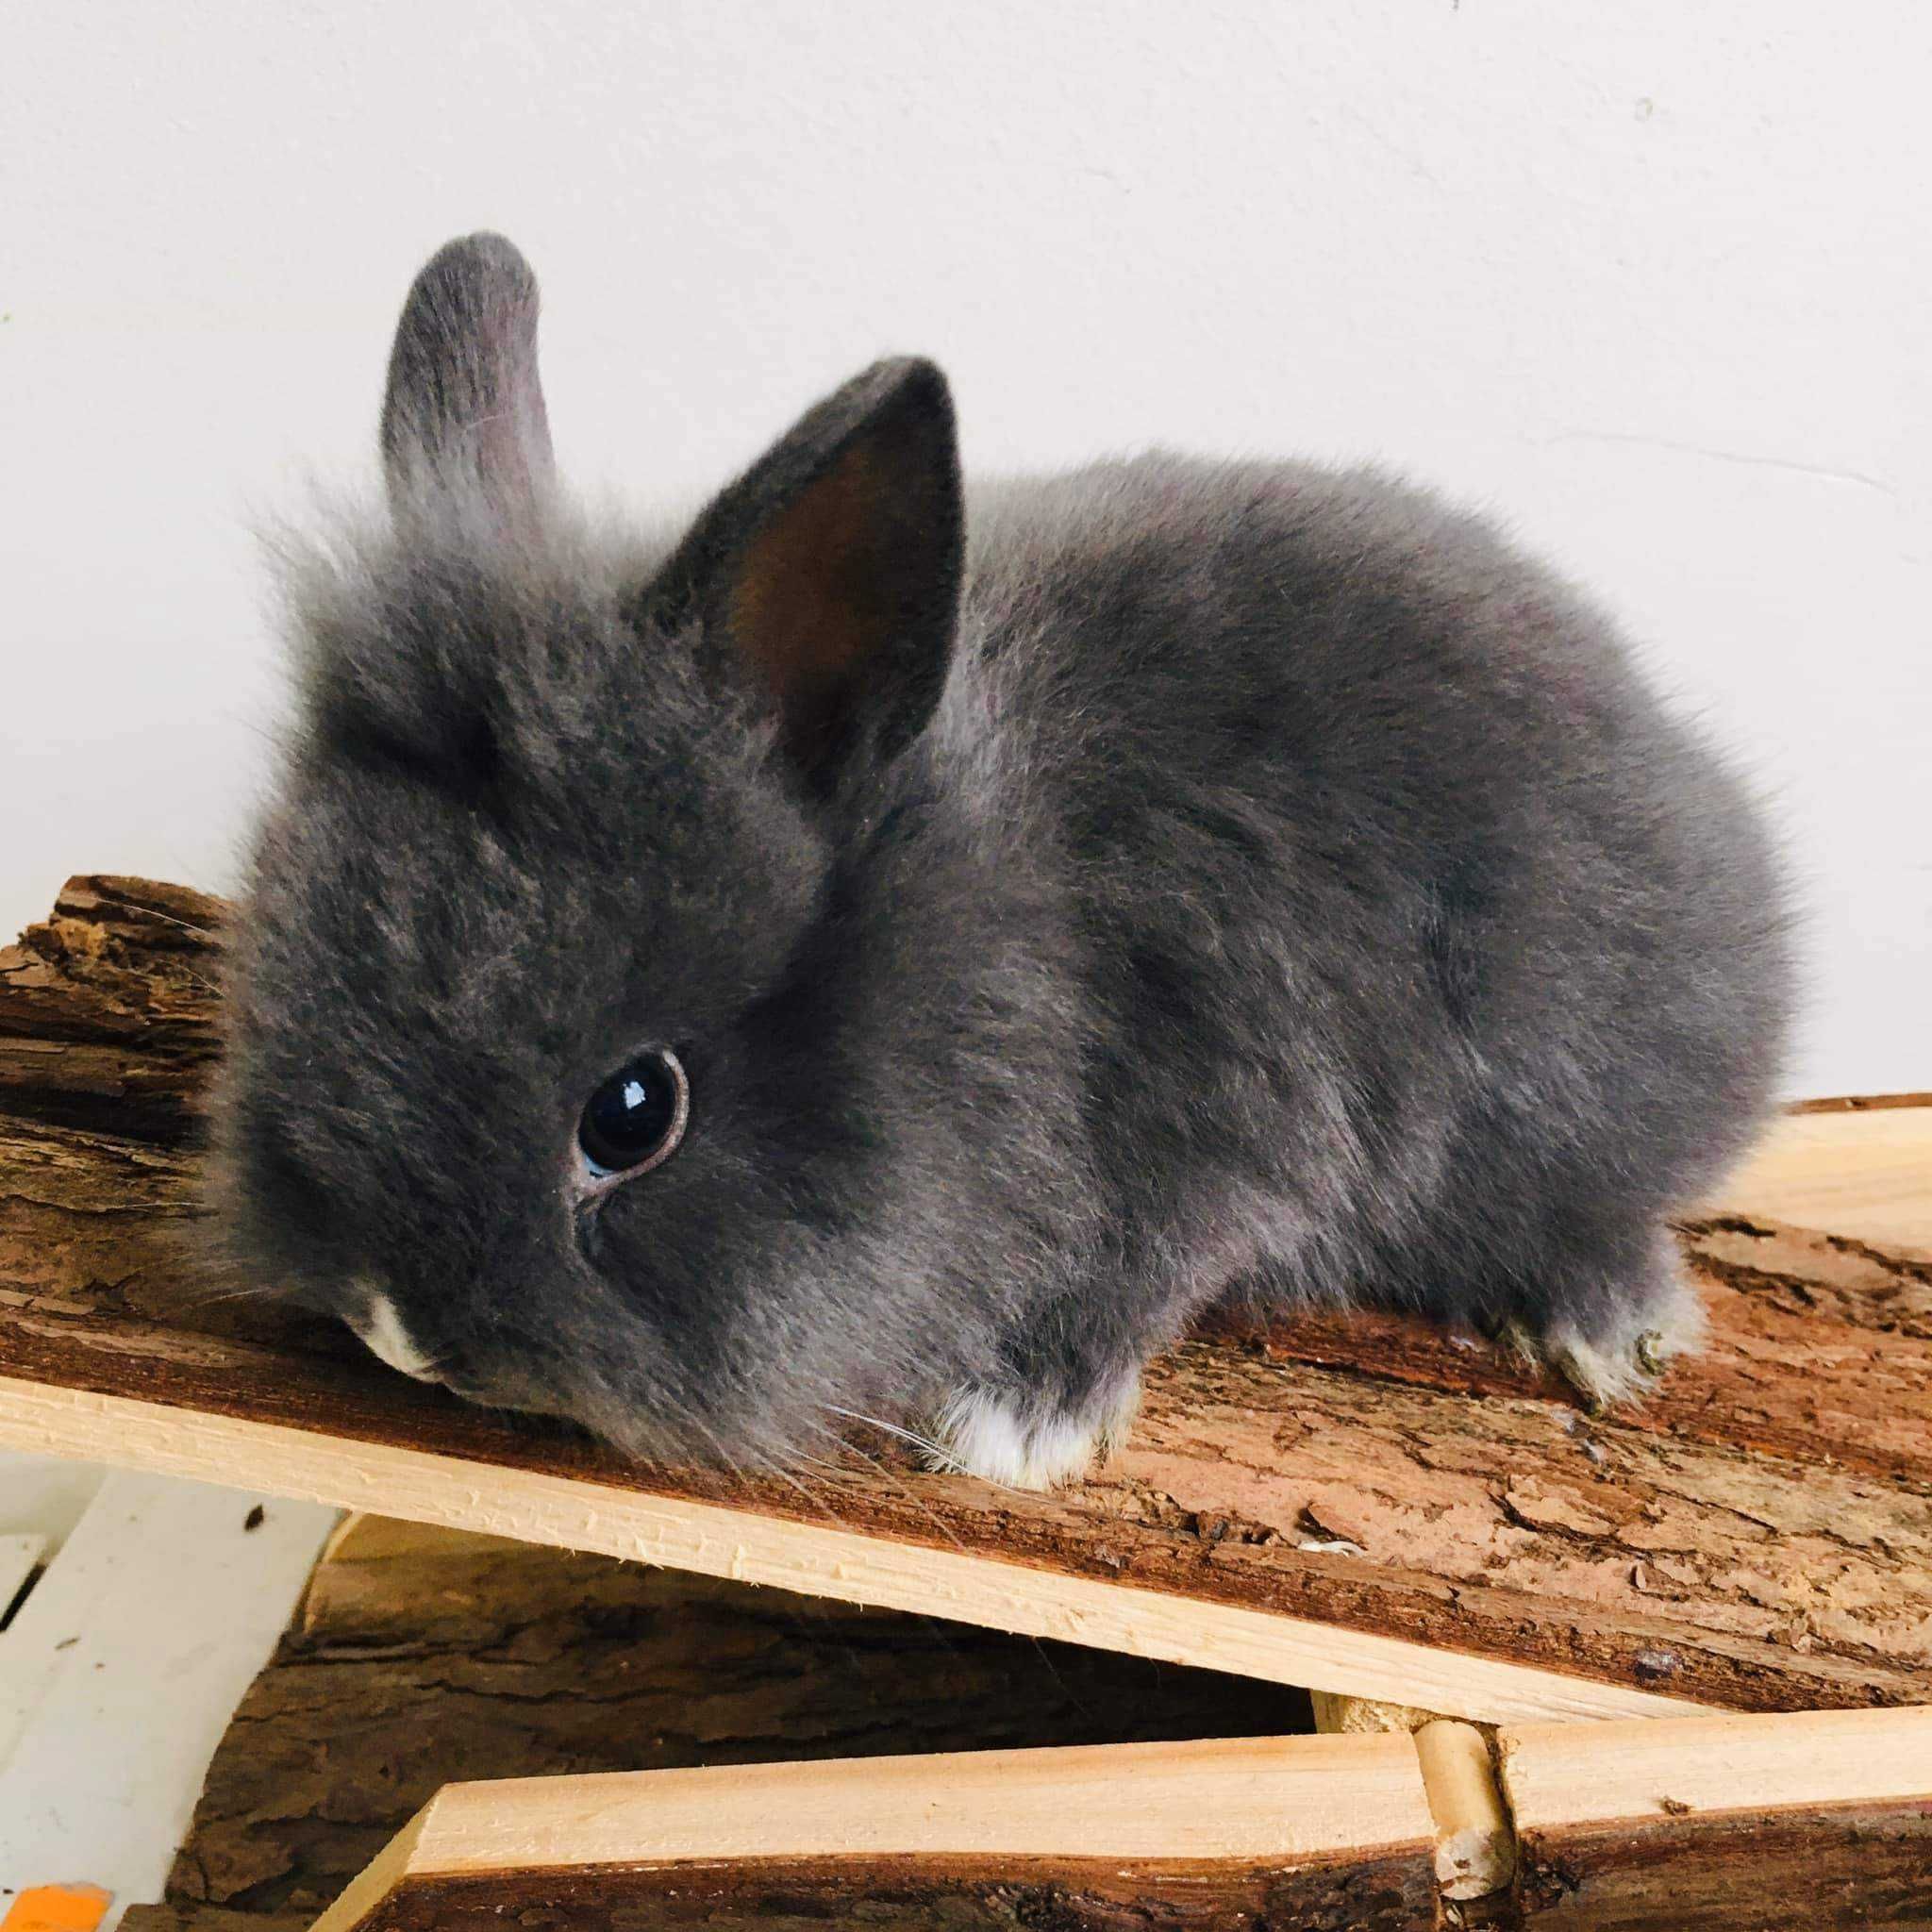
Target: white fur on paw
point(1613, 1365)
point(991, 1435)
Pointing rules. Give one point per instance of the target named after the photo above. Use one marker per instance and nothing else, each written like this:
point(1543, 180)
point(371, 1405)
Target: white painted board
point(123, 1666)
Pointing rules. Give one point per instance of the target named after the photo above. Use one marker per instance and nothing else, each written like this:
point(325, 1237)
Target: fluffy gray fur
point(1215, 878)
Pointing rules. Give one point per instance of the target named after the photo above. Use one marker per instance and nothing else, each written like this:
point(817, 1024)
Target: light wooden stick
point(1475, 1849)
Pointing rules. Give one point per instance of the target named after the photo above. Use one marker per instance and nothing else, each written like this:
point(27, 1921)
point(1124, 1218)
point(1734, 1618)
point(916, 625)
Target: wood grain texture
point(1242, 1801)
point(1558, 1776)
point(1852, 1867)
point(1361, 1501)
point(1863, 1171)
point(1758, 1823)
point(931, 1895)
point(1181, 1835)
point(1212, 1834)
point(759, 1539)
point(1797, 1820)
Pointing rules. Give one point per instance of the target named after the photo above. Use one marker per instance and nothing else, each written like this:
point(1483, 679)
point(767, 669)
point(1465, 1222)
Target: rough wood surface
point(1758, 1536)
point(1854, 1866)
point(421, 1656)
point(419, 1650)
point(1810, 1820)
point(1214, 1833)
point(931, 1895)
point(1181, 1834)
point(502, 1488)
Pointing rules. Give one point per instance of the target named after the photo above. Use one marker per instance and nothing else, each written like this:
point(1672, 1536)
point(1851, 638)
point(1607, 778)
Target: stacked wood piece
point(1808, 1821)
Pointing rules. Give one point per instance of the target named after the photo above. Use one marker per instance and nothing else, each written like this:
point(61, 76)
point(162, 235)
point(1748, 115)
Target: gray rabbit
point(898, 952)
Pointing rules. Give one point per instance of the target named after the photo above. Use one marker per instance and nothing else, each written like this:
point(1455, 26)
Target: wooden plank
point(1799, 1820)
point(1725, 1823)
point(1558, 1775)
point(1220, 1829)
point(1865, 1173)
point(760, 1546)
point(1644, 1550)
point(1361, 1501)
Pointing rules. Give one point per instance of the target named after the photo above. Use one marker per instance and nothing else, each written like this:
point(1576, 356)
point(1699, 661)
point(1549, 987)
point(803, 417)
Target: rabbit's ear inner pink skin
point(829, 573)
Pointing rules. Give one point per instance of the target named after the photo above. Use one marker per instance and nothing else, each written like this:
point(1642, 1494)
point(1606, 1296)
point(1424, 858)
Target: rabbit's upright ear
point(464, 411)
point(829, 573)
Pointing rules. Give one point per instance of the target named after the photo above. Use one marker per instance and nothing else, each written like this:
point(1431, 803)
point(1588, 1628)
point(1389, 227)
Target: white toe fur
point(991, 1435)
point(1613, 1365)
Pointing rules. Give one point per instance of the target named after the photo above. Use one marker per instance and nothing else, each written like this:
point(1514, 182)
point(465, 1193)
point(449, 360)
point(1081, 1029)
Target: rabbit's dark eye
point(637, 1117)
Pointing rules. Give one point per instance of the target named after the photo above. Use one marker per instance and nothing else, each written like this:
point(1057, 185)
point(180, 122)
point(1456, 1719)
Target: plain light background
point(1650, 281)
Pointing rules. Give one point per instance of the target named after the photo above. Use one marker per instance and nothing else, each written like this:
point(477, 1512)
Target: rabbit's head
point(590, 1048)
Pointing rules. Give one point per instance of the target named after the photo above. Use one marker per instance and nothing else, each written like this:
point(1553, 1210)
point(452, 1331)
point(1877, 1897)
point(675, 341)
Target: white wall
point(1651, 280)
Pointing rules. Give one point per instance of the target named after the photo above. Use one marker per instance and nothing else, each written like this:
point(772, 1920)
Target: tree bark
point(1756, 1537)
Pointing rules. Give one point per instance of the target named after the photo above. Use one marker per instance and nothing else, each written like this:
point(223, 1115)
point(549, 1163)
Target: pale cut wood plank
point(1242, 1800)
point(1788, 1822)
point(1832, 1810)
point(1865, 1173)
point(814, 1559)
point(1247, 1803)
point(1555, 1776)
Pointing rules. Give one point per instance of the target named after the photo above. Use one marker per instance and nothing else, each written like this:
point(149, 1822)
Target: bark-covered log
point(1758, 1823)
point(1756, 1537)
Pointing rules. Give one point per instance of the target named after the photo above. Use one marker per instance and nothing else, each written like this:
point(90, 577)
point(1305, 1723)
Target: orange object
point(58, 1908)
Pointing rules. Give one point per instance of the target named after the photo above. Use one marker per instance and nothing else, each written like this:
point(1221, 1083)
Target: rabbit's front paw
point(1032, 1442)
